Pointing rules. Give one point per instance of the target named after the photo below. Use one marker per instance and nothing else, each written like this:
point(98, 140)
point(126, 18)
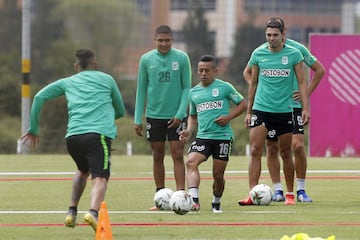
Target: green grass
point(335, 210)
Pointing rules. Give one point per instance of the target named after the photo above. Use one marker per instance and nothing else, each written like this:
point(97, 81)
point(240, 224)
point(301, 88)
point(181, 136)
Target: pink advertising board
point(335, 105)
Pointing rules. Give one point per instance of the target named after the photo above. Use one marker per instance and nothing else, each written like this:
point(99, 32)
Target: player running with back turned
point(94, 103)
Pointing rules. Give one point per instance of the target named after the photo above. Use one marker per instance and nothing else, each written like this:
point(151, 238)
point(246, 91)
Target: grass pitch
point(35, 193)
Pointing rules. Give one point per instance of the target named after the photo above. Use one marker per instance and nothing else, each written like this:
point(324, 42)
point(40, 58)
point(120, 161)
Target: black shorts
point(298, 127)
point(219, 149)
point(298, 121)
point(91, 152)
point(157, 130)
point(276, 123)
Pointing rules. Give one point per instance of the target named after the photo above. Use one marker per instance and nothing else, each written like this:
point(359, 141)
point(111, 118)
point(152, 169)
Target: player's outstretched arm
point(30, 139)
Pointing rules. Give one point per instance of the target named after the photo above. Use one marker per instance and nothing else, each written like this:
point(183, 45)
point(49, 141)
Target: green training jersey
point(275, 79)
point(309, 60)
point(93, 101)
point(164, 81)
point(209, 103)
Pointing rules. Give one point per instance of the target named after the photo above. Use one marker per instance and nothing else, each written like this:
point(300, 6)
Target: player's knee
point(256, 150)
point(286, 153)
point(191, 164)
point(218, 176)
point(298, 147)
point(158, 156)
point(177, 155)
point(272, 151)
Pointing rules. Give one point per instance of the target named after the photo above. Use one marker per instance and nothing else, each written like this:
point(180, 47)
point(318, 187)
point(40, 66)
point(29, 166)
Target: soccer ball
point(162, 198)
point(261, 194)
point(181, 202)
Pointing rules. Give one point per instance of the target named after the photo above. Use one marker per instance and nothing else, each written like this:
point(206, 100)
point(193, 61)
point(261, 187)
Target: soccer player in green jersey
point(94, 103)
point(210, 115)
point(164, 81)
point(298, 146)
point(274, 66)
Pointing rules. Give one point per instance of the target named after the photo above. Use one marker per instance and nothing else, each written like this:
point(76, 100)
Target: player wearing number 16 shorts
point(210, 116)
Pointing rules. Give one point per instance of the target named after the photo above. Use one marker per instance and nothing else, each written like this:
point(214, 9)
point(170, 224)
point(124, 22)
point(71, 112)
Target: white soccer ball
point(261, 194)
point(162, 198)
point(181, 202)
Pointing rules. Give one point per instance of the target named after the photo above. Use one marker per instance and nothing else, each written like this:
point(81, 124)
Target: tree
point(47, 31)
point(9, 100)
point(10, 69)
point(10, 72)
point(247, 38)
point(10, 26)
point(104, 26)
point(198, 39)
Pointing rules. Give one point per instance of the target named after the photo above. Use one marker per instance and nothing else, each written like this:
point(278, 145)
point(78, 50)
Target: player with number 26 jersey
point(161, 77)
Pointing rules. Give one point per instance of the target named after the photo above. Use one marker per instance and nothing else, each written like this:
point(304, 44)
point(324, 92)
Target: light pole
point(26, 65)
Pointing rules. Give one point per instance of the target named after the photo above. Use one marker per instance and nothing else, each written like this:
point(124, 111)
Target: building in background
point(302, 18)
point(224, 18)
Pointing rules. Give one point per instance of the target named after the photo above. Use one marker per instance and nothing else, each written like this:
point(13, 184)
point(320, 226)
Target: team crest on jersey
point(175, 66)
point(215, 92)
point(284, 60)
point(235, 97)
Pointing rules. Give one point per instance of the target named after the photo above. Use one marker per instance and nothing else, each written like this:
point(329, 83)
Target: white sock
point(300, 184)
point(216, 199)
point(194, 192)
point(278, 186)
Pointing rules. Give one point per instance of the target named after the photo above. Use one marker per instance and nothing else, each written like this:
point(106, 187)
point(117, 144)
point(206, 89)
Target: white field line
point(154, 212)
point(34, 173)
point(83, 212)
point(170, 172)
point(266, 171)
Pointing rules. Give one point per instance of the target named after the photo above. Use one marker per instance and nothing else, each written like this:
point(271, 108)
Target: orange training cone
point(103, 230)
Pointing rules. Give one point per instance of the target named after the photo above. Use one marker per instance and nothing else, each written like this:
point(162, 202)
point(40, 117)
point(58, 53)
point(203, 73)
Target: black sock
point(196, 200)
point(159, 188)
point(73, 209)
point(94, 212)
